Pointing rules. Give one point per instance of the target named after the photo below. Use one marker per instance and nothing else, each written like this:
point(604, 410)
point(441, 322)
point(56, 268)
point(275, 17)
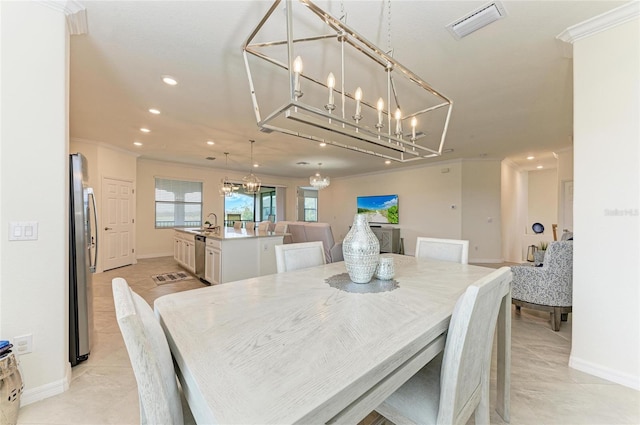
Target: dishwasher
point(201, 243)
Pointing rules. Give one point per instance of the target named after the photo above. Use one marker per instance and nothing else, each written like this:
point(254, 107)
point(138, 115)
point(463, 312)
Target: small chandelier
point(319, 182)
point(251, 183)
point(226, 187)
point(347, 93)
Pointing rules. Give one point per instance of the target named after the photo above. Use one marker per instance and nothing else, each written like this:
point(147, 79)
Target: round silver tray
point(343, 282)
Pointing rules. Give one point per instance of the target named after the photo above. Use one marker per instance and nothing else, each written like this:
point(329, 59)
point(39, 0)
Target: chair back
point(237, 225)
point(453, 250)
point(280, 228)
point(149, 355)
point(467, 354)
point(263, 226)
point(250, 225)
point(296, 256)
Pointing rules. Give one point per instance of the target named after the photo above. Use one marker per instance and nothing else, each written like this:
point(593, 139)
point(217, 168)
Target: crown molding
point(600, 23)
point(76, 14)
point(105, 145)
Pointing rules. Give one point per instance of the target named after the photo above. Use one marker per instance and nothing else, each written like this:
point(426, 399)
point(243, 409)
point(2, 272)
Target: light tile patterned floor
point(544, 389)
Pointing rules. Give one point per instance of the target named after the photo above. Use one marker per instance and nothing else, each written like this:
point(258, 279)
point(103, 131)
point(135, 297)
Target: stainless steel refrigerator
point(83, 254)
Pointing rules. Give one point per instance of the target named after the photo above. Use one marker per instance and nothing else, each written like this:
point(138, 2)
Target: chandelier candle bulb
point(398, 116)
point(331, 83)
point(380, 107)
point(358, 96)
point(297, 70)
point(414, 122)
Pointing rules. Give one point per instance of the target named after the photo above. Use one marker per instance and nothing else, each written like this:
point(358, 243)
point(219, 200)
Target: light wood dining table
point(289, 348)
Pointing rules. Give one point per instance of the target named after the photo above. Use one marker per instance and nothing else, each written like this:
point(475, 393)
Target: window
point(268, 205)
point(310, 209)
point(244, 207)
point(178, 203)
point(307, 204)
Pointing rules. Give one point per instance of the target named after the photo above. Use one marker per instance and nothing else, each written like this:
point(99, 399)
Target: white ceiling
point(511, 82)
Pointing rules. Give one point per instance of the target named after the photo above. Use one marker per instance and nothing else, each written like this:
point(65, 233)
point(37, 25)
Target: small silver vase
point(361, 250)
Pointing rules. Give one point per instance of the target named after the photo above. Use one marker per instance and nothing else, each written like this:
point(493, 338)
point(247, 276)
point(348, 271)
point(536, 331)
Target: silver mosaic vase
point(361, 250)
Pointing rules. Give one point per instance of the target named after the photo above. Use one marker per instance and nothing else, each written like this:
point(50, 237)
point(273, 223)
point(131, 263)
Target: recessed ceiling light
point(210, 142)
point(145, 130)
point(167, 79)
point(323, 144)
point(154, 111)
point(137, 143)
point(256, 165)
point(539, 167)
point(531, 157)
point(388, 161)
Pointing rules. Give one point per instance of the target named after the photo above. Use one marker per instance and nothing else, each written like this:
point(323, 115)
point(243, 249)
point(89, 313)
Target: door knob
point(108, 228)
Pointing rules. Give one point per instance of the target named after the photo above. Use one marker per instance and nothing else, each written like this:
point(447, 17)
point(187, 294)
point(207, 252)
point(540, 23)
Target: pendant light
point(319, 182)
point(226, 187)
point(250, 182)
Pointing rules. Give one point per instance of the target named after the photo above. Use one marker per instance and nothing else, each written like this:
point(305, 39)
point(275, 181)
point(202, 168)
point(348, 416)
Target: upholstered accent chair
point(547, 288)
point(160, 399)
point(453, 250)
point(455, 384)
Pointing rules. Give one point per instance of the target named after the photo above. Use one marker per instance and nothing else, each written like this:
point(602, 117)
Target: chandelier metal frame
point(340, 130)
point(227, 188)
point(251, 183)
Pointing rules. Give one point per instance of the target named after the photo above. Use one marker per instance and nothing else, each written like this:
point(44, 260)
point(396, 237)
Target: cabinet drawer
point(213, 243)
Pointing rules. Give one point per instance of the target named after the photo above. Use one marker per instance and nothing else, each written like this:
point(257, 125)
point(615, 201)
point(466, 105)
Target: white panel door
point(117, 220)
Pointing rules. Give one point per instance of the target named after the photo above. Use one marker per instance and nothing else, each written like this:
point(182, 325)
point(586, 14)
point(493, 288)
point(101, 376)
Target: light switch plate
point(23, 231)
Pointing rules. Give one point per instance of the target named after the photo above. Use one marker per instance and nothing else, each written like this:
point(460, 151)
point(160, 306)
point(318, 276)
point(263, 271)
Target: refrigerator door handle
point(93, 262)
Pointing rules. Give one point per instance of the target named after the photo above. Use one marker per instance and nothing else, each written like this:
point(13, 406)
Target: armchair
point(547, 288)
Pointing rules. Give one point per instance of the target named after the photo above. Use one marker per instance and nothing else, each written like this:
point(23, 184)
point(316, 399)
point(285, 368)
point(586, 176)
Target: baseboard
point(47, 390)
point(486, 260)
point(615, 376)
point(162, 254)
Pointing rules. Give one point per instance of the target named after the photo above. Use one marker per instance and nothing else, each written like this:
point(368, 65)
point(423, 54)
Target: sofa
point(302, 231)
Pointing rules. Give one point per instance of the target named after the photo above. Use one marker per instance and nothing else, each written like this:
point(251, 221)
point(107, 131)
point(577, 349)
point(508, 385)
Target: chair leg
point(555, 319)
point(483, 410)
point(517, 309)
point(564, 317)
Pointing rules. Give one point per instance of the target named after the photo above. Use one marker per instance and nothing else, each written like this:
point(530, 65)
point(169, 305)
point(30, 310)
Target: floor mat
point(161, 279)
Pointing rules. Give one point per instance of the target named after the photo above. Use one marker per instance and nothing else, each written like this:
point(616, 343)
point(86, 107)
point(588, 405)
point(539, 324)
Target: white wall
point(565, 174)
point(34, 184)
point(606, 317)
point(514, 188)
point(427, 194)
point(481, 212)
point(542, 201)
point(152, 242)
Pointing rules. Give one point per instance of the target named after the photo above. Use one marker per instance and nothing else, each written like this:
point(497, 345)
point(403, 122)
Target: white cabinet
point(389, 238)
point(184, 250)
point(213, 263)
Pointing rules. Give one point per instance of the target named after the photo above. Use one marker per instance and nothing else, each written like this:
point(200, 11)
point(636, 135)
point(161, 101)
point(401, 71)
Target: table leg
point(503, 406)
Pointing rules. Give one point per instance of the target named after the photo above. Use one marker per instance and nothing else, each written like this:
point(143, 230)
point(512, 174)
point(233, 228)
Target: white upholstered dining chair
point(280, 228)
point(454, 250)
point(160, 400)
point(455, 384)
point(294, 256)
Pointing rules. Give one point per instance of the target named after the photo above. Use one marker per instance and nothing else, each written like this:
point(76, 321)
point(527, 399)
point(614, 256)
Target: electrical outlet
point(23, 344)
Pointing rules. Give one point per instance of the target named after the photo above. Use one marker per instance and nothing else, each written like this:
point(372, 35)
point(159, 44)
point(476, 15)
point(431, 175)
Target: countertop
point(229, 233)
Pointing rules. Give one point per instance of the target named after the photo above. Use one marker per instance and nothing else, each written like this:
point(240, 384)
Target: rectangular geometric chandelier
point(322, 81)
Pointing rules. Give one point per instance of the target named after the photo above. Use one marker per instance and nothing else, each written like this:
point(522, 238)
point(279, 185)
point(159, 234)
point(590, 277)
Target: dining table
point(308, 346)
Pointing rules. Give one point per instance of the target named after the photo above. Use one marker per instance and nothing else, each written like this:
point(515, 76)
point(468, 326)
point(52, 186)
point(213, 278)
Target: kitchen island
point(229, 254)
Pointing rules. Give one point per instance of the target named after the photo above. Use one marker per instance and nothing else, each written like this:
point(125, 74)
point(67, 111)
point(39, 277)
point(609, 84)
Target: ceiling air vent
point(477, 19)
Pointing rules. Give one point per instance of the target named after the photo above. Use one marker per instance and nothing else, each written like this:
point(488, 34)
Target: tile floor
point(544, 389)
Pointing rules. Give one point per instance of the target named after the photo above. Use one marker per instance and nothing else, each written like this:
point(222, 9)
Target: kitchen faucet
point(215, 220)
